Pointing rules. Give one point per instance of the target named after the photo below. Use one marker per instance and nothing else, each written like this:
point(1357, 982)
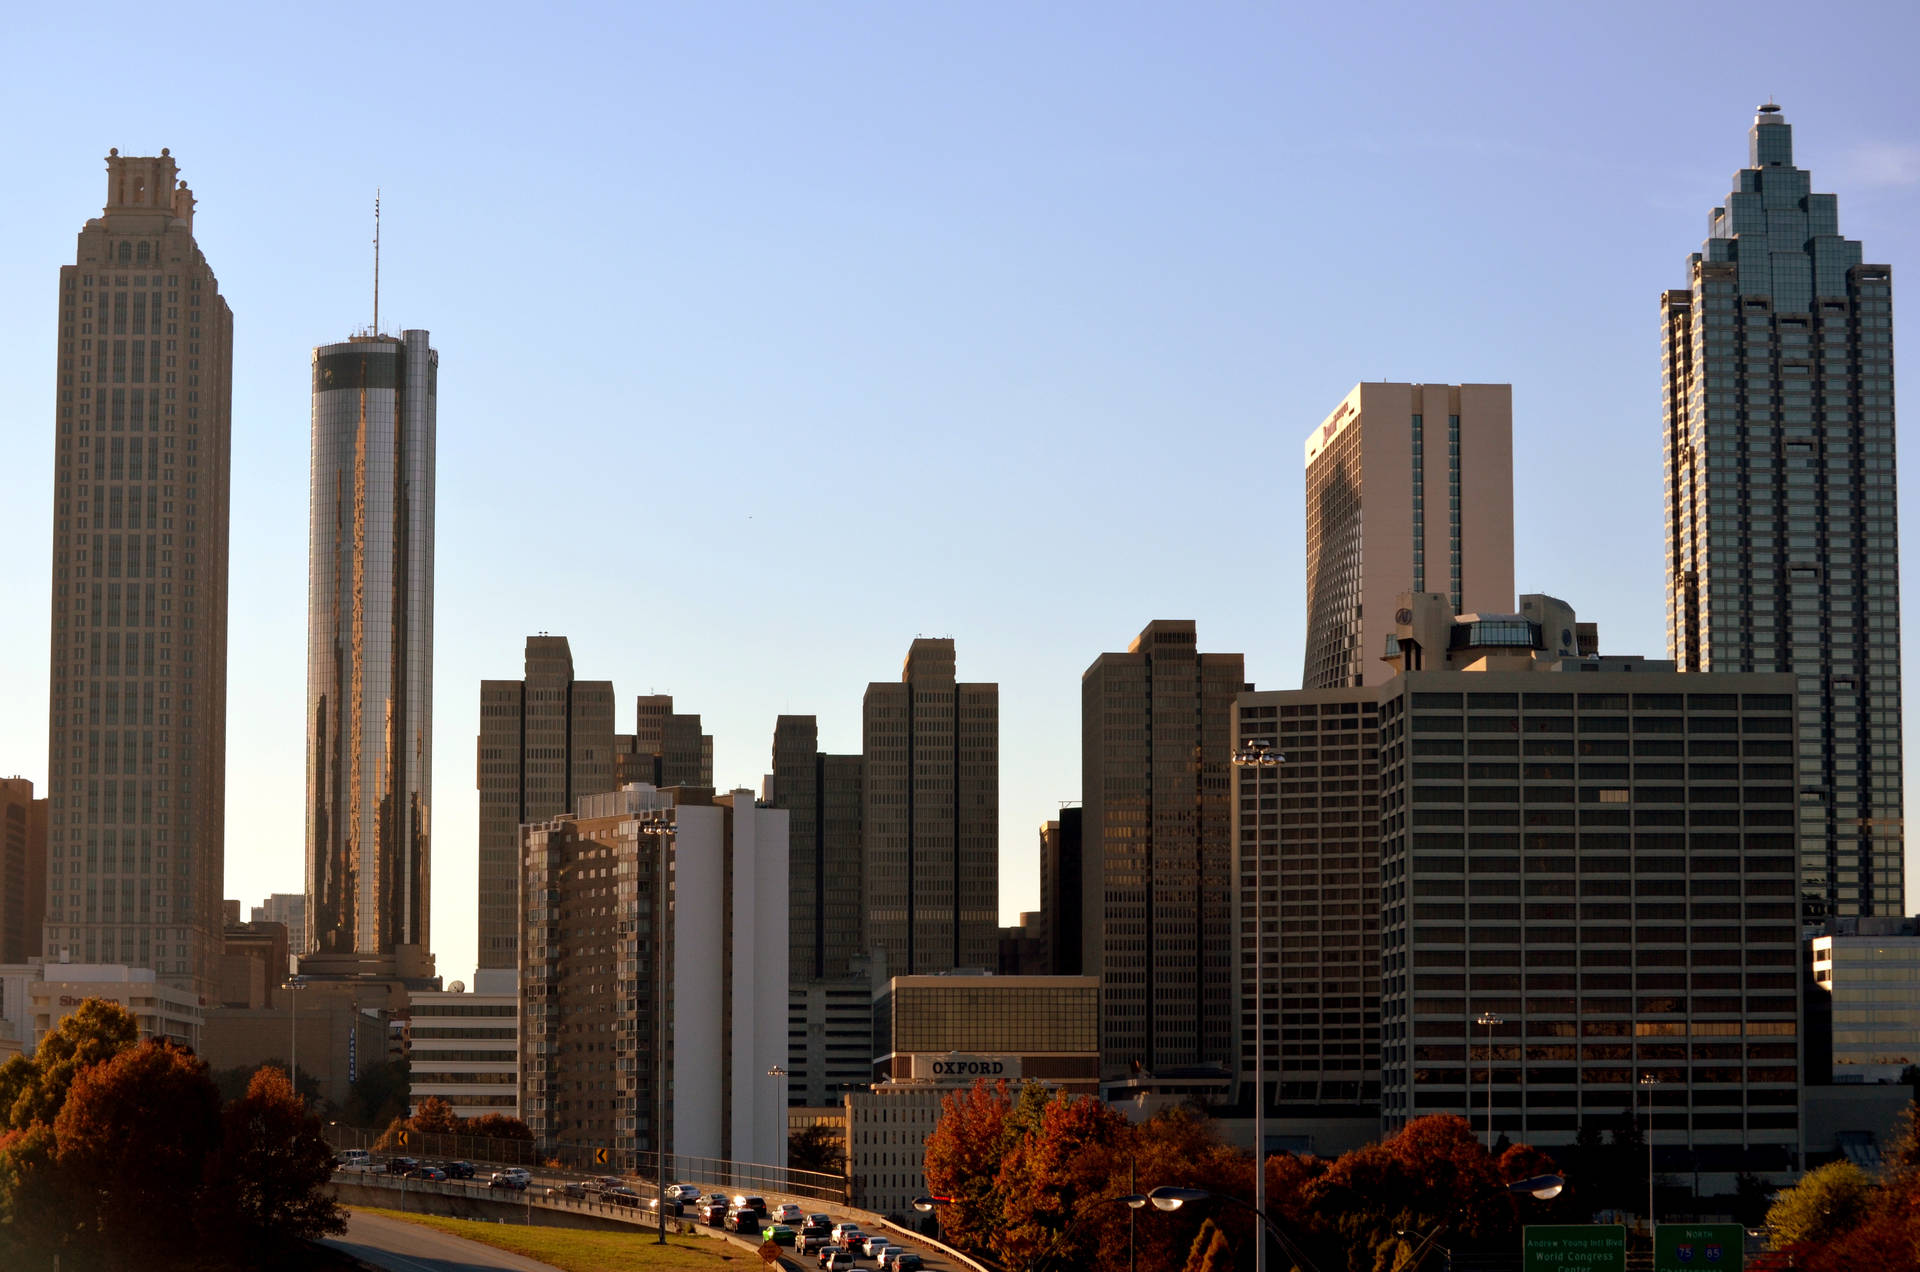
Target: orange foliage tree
point(269, 1177)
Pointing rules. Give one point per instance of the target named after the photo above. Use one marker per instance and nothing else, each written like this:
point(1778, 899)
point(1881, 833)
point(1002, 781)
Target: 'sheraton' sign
point(954, 1067)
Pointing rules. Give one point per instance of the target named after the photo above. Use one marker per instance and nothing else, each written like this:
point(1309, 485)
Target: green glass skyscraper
point(1781, 538)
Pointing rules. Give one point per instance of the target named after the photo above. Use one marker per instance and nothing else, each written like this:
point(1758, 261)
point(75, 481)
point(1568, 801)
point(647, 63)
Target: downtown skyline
point(951, 376)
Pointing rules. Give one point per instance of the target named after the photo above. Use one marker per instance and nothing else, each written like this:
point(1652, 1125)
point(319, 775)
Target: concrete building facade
point(1157, 916)
point(545, 742)
point(1588, 882)
point(1863, 1020)
point(143, 439)
point(665, 749)
point(370, 644)
point(1432, 467)
point(23, 870)
point(464, 1047)
point(1782, 549)
point(930, 818)
point(600, 935)
point(289, 910)
point(830, 1028)
point(1306, 868)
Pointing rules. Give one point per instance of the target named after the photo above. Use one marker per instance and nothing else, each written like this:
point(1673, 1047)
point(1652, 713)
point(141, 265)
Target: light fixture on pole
point(1490, 1019)
point(661, 828)
point(1170, 1198)
point(779, 1076)
point(1649, 1081)
point(1258, 755)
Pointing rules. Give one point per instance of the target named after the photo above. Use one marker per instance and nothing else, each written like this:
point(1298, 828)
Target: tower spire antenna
point(376, 260)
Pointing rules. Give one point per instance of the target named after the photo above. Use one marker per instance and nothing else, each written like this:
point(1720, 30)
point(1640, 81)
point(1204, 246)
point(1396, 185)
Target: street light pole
point(779, 1075)
point(293, 1035)
point(662, 830)
point(1258, 755)
point(1649, 1081)
point(1489, 1019)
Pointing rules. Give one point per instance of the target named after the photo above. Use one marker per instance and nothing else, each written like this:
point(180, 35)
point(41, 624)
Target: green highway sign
point(1575, 1248)
point(1699, 1247)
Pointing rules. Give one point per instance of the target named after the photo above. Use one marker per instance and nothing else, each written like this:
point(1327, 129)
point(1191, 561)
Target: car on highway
point(821, 1221)
point(433, 1174)
point(620, 1195)
point(743, 1221)
point(832, 1260)
point(787, 1212)
point(353, 1159)
point(714, 1213)
point(683, 1192)
point(513, 1179)
point(459, 1170)
point(747, 1201)
point(844, 1226)
point(777, 1233)
point(812, 1241)
point(890, 1256)
point(674, 1208)
point(908, 1262)
point(401, 1165)
point(851, 1239)
point(872, 1246)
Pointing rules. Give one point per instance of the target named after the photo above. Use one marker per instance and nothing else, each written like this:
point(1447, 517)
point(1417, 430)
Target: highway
point(399, 1246)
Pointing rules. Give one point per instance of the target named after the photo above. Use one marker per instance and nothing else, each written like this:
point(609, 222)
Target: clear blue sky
point(775, 334)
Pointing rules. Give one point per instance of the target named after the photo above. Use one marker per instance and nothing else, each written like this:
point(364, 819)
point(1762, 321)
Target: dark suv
point(402, 1165)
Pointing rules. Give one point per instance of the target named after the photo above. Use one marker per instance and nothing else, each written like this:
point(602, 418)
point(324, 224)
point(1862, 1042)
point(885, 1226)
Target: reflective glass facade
point(1780, 501)
point(138, 704)
point(370, 644)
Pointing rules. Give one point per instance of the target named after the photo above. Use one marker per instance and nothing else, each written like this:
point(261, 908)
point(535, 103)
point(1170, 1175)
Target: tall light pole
point(293, 1035)
point(779, 1076)
point(1489, 1019)
point(1649, 1081)
point(1257, 755)
point(661, 828)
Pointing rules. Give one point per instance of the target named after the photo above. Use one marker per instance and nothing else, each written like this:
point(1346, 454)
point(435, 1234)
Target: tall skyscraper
point(138, 713)
point(1782, 552)
point(370, 644)
point(931, 818)
point(1060, 890)
point(289, 910)
point(1156, 875)
point(1432, 465)
point(23, 870)
point(665, 748)
point(821, 794)
point(545, 742)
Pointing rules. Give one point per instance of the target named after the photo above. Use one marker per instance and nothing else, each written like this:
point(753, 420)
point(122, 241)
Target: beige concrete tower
point(545, 742)
point(138, 710)
point(1432, 465)
point(931, 823)
point(1156, 879)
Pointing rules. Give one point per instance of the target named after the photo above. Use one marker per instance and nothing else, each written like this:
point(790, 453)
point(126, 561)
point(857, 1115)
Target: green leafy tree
point(1827, 1202)
point(379, 1094)
point(95, 1031)
point(268, 1181)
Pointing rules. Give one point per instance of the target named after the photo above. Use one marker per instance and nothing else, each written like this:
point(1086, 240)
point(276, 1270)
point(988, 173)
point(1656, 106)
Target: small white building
point(464, 1047)
point(36, 995)
point(1869, 969)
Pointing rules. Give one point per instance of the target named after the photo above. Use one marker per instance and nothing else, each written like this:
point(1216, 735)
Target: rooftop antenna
point(376, 260)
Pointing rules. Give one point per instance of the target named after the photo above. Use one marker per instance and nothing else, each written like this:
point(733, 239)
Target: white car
point(874, 1246)
point(891, 1255)
point(788, 1212)
point(683, 1192)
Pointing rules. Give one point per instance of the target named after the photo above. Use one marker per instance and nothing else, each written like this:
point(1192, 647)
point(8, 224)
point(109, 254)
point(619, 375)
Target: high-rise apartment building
point(23, 869)
point(138, 711)
point(1306, 866)
point(1587, 885)
point(1157, 917)
point(1432, 466)
point(930, 820)
point(1782, 553)
point(821, 794)
point(545, 741)
point(370, 644)
point(598, 931)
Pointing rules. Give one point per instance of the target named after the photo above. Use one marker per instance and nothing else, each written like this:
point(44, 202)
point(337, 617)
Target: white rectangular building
point(464, 1047)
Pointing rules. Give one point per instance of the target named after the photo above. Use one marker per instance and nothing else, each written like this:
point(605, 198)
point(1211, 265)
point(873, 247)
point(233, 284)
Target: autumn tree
point(34, 1221)
point(1827, 1202)
point(434, 1116)
point(1210, 1252)
point(1059, 1172)
point(963, 1161)
point(497, 1126)
point(133, 1139)
point(269, 1177)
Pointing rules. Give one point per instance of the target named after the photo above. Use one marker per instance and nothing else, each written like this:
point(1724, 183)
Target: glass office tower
point(1781, 535)
point(370, 644)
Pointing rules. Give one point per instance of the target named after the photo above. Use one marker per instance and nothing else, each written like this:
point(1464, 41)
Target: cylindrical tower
point(370, 644)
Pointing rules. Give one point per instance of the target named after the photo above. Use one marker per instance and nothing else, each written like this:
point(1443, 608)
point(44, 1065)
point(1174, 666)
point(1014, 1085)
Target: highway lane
point(400, 1246)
